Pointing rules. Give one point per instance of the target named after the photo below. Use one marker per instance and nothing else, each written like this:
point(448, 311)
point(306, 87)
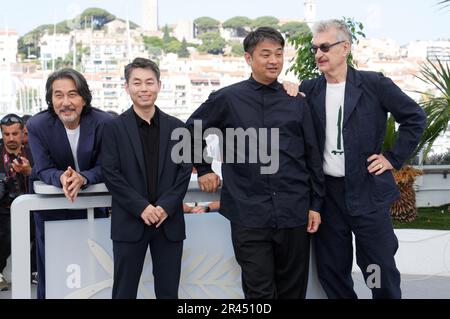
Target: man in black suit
point(147, 187)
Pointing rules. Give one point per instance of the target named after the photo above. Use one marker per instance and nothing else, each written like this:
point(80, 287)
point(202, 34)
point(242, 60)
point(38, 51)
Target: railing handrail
point(49, 198)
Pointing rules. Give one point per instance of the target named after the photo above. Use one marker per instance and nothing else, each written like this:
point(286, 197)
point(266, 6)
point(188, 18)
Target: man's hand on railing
point(71, 182)
point(209, 182)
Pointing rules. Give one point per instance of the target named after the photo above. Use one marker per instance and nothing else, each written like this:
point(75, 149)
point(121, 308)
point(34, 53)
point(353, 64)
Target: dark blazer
point(51, 149)
point(369, 96)
point(124, 171)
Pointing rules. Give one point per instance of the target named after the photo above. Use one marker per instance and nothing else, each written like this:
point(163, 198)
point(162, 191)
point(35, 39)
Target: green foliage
point(153, 42)
point(437, 107)
point(438, 159)
point(356, 29)
point(239, 25)
point(153, 45)
point(173, 46)
point(206, 24)
point(237, 22)
point(428, 218)
point(212, 43)
point(304, 66)
point(29, 43)
point(132, 24)
point(237, 49)
point(98, 17)
point(168, 44)
point(166, 36)
point(183, 52)
point(265, 21)
point(294, 29)
point(390, 135)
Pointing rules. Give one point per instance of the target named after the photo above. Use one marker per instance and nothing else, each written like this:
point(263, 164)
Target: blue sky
point(402, 20)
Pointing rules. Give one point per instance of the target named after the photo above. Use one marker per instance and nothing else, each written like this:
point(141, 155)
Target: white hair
point(343, 33)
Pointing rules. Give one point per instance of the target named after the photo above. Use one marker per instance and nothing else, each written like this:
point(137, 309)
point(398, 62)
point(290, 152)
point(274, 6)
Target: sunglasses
point(324, 47)
point(11, 120)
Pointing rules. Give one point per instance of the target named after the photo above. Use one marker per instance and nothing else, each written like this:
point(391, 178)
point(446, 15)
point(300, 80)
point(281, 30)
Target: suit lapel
point(319, 101)
point(164, 139)
point(352, 93)
point(85, 142)
point(134, 137)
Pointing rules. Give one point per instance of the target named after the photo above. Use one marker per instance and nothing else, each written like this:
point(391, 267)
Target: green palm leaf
point(436, 106)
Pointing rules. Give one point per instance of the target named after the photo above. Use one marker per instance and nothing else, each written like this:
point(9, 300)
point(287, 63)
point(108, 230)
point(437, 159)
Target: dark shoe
point(4, 285)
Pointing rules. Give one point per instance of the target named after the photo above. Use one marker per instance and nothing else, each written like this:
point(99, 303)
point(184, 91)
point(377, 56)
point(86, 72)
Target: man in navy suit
point(147, 187)
point(65, 143)
point(349, 110)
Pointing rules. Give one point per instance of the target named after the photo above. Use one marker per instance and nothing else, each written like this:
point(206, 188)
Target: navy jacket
point(369, 96)
point(124, 171)
point(51, 149)
point(252, 199)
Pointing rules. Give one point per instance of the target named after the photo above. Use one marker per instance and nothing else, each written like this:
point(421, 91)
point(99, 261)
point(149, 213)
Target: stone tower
point(310, 12)
point(150, 15)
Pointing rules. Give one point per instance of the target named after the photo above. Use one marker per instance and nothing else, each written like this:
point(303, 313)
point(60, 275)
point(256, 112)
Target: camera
point(3, 183)
point(9, 185)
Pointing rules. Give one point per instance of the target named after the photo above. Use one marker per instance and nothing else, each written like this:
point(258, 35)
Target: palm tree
point(437, 108)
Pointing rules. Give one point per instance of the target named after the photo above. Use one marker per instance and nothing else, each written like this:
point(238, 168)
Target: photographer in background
point(14, 171)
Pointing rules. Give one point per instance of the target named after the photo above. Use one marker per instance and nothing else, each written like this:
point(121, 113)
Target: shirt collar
point(153, 121)
point(275, 85)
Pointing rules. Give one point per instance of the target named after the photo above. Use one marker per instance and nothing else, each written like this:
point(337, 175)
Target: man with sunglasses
point(14, 172)
point(65, 143)
point(349, 110)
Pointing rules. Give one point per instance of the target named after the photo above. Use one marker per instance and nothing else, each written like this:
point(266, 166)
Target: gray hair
point(343, 33)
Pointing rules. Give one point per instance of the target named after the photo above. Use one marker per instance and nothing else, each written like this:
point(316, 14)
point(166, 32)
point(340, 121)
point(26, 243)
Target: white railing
point(49, 198)
point(433, 187)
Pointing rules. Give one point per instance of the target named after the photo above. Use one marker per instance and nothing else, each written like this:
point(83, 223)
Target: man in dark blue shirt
point(272, 199)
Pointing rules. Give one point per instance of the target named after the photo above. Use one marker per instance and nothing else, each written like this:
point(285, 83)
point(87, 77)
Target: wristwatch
point(85, 181)
point(207, 209)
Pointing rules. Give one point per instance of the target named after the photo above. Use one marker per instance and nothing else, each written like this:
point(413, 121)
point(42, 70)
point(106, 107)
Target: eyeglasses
point(11, 119)
point(324, 47)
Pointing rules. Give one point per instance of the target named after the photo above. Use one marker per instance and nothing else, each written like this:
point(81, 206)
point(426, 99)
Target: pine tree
point(183, 52)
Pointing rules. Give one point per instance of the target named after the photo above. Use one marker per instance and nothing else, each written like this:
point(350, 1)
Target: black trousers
point(274, 262)
point(5, 241)
point(376, 245)
point(129, 260)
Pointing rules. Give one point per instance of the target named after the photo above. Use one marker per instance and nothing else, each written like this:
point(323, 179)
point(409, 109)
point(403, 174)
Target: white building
point(429, 50)
point(53, 46)
point(108, 91)
point(113, 47)
point(377, 49)
point(8, 46)
point(184, 30)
